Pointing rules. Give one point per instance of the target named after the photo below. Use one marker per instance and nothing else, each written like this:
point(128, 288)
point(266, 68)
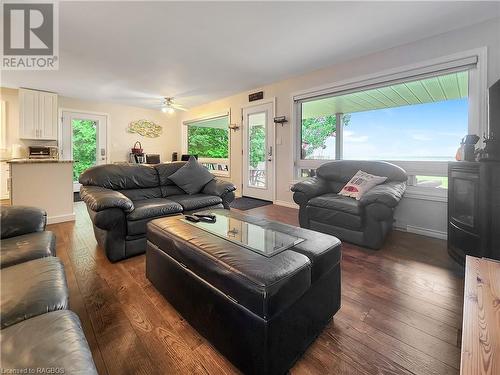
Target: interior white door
point(83, 140)
point(258, 152)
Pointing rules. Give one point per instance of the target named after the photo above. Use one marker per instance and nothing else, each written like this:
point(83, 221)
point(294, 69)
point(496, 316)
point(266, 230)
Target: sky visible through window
point(430, 131)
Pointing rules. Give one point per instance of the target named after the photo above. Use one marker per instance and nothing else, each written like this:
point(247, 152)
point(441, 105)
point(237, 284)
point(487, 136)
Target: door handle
point(270, 153)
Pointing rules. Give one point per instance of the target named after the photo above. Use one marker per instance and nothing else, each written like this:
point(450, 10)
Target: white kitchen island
point(43, 183)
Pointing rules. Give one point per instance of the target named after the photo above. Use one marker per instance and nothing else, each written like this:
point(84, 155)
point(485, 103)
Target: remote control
point(206, 219)
point(191, 218)
point(208, 215)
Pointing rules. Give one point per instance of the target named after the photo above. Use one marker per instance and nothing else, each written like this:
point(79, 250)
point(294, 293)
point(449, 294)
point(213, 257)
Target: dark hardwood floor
point(401, 310)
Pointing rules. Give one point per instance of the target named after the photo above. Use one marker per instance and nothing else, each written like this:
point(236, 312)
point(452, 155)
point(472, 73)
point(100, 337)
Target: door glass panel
point(84, 145)
point(257, 166)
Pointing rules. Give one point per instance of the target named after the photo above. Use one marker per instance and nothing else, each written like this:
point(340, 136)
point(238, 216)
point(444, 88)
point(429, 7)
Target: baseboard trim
point(424, 232)
point(286, 204)
point(60, 218)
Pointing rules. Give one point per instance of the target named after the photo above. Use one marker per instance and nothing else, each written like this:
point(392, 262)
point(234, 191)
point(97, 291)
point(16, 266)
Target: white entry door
point(83, 140)
point(258, 152)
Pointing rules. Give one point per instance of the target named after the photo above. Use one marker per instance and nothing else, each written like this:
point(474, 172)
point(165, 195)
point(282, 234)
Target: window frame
point(474, 61)
point(227, 161)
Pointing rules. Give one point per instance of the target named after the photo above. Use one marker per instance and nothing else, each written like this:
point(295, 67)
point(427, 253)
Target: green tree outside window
point(316, 130)
point(208, 142)
point(84, 146)
point(257, 145)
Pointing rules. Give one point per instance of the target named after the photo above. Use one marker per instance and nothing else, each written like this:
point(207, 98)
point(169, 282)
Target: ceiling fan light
point(164, 109)
point(170, 110)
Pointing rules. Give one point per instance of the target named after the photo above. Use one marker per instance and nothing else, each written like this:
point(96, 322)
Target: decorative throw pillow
point(191, 177)
point(360, 183)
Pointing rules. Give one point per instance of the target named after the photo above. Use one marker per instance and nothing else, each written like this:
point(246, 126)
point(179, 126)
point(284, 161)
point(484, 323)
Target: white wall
point(120, 141)
point(412, 210)
point(119, 116)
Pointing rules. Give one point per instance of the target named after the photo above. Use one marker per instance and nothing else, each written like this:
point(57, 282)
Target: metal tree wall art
point(146, 128)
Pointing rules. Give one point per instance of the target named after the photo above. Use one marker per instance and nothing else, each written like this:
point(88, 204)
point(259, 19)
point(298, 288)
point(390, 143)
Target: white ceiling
point(197, 52)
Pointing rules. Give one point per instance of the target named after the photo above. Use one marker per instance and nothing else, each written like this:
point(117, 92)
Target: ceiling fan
point(168, 105)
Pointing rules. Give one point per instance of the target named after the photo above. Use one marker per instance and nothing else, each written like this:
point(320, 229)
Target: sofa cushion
point(143, 193)
point(361, 183)
point(334, 217)
point(168, 190)
point(47, 342)
point(192, 177)
point(121, 176)
point(20, 249)
point(32, 288)
point(18, 220)
point(165, 170)
point(149, 208)
point(195, 201)
point(337, 202)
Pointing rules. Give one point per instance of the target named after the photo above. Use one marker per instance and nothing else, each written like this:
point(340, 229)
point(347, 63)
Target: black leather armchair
point(23, 235)
point(365, 222)
point(122, 199)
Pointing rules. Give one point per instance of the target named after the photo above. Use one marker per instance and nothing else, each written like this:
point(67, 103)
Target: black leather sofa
point(365, 222)
point(122, 199)
point(38, 333)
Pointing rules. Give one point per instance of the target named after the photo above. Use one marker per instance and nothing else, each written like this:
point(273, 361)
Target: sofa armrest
point(19, 220)
point(98, 199)
point(309, 188)
point(388, 194)
point(220, 188)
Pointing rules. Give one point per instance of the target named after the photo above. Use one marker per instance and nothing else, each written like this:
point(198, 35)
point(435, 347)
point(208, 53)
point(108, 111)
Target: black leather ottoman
point(260, 312)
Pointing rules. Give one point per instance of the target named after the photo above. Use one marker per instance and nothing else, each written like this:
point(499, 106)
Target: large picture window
point(417, 123)
point(209, 140)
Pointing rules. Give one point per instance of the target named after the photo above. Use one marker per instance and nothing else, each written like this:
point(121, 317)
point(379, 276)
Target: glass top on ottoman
point(264, 241)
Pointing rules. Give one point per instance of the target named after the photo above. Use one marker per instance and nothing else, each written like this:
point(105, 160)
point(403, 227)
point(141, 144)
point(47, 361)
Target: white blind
point(221, 122)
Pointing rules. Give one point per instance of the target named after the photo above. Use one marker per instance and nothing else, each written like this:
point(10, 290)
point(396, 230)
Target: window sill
point(221, 174)
point(428, 194)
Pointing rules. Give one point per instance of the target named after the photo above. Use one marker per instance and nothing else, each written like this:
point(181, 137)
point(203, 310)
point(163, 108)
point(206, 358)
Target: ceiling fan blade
point(178, 106)
point(138, 98)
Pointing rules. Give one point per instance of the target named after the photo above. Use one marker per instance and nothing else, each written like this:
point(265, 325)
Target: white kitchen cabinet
point(37, 115)
point(4, 181)
point(28, 114)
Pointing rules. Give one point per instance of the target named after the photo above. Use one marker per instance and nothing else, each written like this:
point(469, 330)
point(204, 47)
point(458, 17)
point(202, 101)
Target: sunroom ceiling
point(434, 89)
point(220, 122)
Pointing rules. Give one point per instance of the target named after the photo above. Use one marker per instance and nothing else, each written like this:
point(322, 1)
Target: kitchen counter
point(35, 161)
point(43, 183)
